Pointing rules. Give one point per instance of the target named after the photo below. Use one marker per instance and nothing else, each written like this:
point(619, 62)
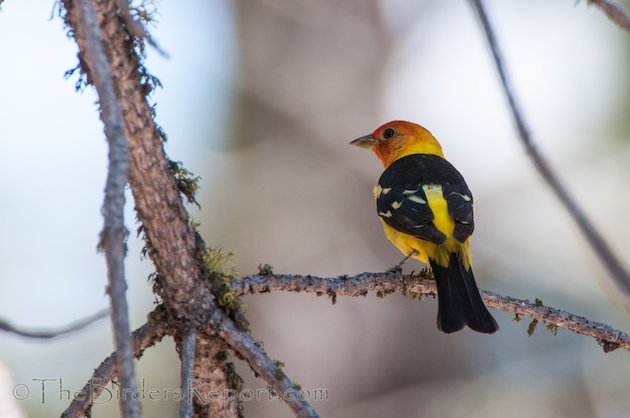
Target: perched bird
point(426, 210)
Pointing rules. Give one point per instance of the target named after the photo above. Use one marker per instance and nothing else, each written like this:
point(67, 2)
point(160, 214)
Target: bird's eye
point(388, 133)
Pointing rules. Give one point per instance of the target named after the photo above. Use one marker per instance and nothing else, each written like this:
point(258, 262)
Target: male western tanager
point(426, 210)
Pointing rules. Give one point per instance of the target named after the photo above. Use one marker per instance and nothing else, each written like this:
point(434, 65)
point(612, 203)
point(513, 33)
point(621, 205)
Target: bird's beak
point(366, 141)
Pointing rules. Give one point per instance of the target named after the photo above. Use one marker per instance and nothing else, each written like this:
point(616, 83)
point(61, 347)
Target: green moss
point(219, 268)
point(553, 328)
point(607, 346)
point(221, 357)
point(532, 327)
point(382, 293)
point(278, 363)
point(425, 273)
point(278, 374)
point(187, 183)
point(234, 381)
point(333, 296)
point(217, 262)
point(265, 269)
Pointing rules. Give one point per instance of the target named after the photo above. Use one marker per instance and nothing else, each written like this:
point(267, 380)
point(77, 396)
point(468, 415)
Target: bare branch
point(114, 233)
point(188, 367)
point(152, 332)
point(385, 283)
point(592, 235)
point(614, 12)
point(251, 350)
point(65, 330)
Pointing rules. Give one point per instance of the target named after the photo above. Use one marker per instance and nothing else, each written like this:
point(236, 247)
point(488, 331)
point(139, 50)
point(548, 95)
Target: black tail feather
point(459, 302)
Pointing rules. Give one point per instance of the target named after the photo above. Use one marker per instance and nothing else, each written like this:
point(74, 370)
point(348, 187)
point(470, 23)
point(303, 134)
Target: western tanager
point(426, 210)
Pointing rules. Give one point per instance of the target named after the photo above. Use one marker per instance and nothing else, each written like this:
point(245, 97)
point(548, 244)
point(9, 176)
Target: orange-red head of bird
point(398, 139)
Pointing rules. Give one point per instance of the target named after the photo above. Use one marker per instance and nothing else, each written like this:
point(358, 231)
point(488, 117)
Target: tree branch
point(614, 12)
point(251, 350)
point(156, 328)
point(592, 235)
point(114, 233)
point(385, 283)
point(47, 334)
point(174, 245)
point(188, 367)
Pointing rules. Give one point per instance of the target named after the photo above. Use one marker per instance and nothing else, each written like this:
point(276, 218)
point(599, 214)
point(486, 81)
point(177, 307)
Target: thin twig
point(385, 283)
point(592, 235)
point(114, 233)
point(147, 335)
point(187, 375)
point(614, 12)
point(65, 330)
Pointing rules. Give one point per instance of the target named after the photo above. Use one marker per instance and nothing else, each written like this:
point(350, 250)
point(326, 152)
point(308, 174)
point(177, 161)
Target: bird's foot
point(424, 273)
point(398, 267)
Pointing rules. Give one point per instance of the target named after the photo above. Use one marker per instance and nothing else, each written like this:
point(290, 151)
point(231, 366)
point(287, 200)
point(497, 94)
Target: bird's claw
point(398, 267)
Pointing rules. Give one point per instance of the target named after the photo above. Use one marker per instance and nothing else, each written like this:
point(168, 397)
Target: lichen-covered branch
point(423, 285)
point(152, 332)
point(114, 234)
point(46, 334)
point(592, 235)
point(174, 247)
point(614, 12)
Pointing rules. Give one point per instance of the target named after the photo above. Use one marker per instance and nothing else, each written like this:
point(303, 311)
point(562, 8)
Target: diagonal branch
point(592, 235)
point(65, 330)
point(614, 12)
point(385, 283)
point(114, 233)
point(251, 350)
point(144, 337)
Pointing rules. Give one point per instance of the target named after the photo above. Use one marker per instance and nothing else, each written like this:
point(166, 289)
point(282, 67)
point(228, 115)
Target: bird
point(426, 210)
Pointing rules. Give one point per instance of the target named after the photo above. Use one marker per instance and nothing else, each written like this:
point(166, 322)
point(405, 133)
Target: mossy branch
point(176, 249)
point(160, 324)
point(417, 286)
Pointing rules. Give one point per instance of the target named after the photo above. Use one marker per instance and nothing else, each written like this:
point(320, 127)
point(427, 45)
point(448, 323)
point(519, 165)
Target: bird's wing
point(402, 203)
point(460, 206)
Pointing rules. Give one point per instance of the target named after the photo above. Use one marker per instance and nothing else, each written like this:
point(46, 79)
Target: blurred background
point(260, 99)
